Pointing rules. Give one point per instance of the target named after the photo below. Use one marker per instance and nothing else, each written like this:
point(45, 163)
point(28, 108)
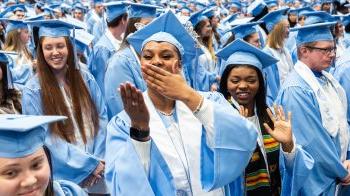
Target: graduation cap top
point(169, 29)
point(240, 52)
point(314, 32)
point(273, 18)
point(22, 135)
point(54, 28)
point(137, 10)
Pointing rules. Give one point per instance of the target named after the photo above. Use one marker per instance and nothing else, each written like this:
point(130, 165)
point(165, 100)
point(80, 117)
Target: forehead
point(153, 45)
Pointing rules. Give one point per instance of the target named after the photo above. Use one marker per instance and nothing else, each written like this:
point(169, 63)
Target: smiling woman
point(25, 164)
point(62, 88)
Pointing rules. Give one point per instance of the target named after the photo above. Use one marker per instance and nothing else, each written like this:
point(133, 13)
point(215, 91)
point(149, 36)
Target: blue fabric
point(272, 79)
point(342, 74)
point(122, 166)
point(122, 67)
point(273, 18)
point(314, 32)
point(68, 161)
point(67, 188)
point(20, 73)
point(296, 96)
point(103, 50)
point(235, 141)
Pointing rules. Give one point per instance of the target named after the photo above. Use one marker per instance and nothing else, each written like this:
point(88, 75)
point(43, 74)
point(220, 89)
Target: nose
point(156, 61)
point(242, 85)
point(29, 180)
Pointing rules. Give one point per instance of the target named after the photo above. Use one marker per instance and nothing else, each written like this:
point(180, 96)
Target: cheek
point(43, 177)
point(9, 187)
point(231, 88)
point(255, 88)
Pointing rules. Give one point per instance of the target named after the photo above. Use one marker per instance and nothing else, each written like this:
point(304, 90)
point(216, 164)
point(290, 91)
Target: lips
point(242, 95)
point(32, 192)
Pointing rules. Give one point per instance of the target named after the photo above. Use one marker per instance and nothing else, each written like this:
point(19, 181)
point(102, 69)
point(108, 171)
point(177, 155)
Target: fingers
point(270, 115)
point(268, 129)
point(281, 113)
point(175, 67)
point(289, 117)
point(130, 96)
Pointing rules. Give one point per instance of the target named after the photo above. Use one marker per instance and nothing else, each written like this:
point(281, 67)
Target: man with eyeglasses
point(318, 104)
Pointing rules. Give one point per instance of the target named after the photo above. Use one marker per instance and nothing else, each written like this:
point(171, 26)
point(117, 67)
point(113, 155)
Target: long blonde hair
point(13, 43)
point(276, 37)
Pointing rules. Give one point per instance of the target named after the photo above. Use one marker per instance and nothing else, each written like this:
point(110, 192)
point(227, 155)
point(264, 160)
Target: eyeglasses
point(326, 51)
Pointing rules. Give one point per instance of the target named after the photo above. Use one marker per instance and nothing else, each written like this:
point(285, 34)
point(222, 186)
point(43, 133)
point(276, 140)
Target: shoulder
point(33, 84)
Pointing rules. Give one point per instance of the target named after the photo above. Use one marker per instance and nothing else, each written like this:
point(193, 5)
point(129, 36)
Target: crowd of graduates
point(166, 97)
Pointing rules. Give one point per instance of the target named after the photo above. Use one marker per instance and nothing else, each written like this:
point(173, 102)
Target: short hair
point(115, 22)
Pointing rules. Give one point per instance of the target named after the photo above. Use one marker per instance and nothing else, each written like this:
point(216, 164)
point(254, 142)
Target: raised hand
point(282, 131)
point(346, 179)
point(95, 177)
point(134, 106)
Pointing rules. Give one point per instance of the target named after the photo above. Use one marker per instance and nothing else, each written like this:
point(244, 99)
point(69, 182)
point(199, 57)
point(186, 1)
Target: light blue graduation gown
point(342, 74)
point(297, 96)
point(99, 58)
point(68, 161)
point(91, 20)
point(122, 67)
point(234, 142)
point(20, 74)
point(66, 188)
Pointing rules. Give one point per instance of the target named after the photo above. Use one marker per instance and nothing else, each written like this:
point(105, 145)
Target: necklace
point(166, 114)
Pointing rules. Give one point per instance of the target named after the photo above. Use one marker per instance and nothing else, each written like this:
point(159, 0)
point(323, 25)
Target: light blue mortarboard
point(301, 11)
point(197, 17)
point(17, 7)
point(37, 17)
point(256, 7)
point(236, 4)
point(97, 2)
point(22, 135)
point(200, 5)
point(54, 28)
point(115, 9)
point(14, 24)
point(240, 52)
point(274, 17)
point(314, 32)
point(79, 6)
point(244, 30)
point(346, 20)
point(317, 17)
point(209, 12)
point(271, 3)
point(169, 29)
point(230, 18)
point(82, 39)
point(137, 10)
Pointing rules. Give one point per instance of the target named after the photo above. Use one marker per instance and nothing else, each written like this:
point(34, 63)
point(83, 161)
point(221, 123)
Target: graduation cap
point(244, 30)
point(54, 28)
point(79, 6)
point(97, 2)
point(240, 52)
point(236, 4)
point(318, 17)
point(17, 7)
point(314, 32)
point(167, 28)
point(210, 12)
point(82, 39)
point(240, 21)
point(230, 18)
point(197, 17)
point(13, 24)
point(301, 11)
point(137, 10)
point(256, 7)
point(23, 135)
point(271, 3)
point(346, 20)
point(115, 9)
point(274, 17)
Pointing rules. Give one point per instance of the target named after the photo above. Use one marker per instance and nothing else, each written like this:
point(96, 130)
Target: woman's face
point(25, 176)
point(24, 36)
point(55, 52)
point(206, 30)
point(243, 84)
point(286, 28)
point(254, 40)
point(161, 54)
point(292, 17)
